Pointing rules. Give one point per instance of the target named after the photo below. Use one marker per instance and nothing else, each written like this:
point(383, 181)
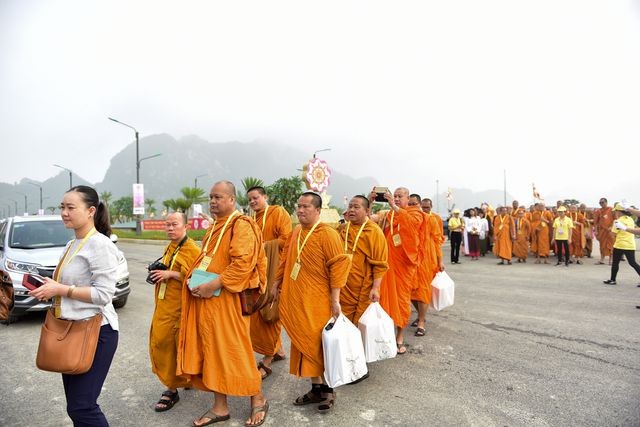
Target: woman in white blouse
point(84, 285)
point(472, 227)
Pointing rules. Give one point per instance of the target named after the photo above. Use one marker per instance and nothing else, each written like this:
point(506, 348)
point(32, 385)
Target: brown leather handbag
point(68, 346)
point(6, 302)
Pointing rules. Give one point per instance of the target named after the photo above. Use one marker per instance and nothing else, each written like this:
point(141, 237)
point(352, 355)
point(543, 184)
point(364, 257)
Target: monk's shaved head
point(177, 216)
point(403, 190)
point(227, 187)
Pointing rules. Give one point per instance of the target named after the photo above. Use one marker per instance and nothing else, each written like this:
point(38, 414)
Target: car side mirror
point(114, 238)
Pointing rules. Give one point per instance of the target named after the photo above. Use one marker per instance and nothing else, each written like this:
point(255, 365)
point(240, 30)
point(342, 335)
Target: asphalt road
point(524, 344)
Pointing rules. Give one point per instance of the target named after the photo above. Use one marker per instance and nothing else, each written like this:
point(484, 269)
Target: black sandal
point(328, 400)
point(173, 398)
point(313, 396)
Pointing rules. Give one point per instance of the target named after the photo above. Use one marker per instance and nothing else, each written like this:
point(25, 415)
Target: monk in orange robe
point(578, 239)
point(365, 243)
point(504, 235)
point(541, 221)
point(179, 255)
point(523, 234)
point(603, 221)
point(431, 264)
point(215, 350)
point(275, 224)
point(312, 271)
point(588, 229)
point(402, 227)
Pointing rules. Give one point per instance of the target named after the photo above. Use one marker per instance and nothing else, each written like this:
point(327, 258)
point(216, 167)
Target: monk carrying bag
point(378, 333)
point(68, 346)
point(344, 360)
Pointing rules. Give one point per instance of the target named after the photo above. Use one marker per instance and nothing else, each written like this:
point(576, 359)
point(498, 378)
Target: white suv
point(34, 244)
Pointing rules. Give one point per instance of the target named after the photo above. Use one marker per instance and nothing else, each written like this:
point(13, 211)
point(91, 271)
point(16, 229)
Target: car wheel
point(121, 302)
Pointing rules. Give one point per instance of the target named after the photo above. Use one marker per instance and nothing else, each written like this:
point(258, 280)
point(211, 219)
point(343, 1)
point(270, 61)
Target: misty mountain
point(181, 161)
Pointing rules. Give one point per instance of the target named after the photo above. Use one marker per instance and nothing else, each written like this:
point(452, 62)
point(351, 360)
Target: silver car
point(34, 244)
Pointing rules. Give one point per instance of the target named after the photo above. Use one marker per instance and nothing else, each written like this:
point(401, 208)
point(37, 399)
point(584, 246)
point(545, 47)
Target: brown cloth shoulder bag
point(68, 346)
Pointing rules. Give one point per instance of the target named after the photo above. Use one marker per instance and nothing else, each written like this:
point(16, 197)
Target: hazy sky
point(408, 92)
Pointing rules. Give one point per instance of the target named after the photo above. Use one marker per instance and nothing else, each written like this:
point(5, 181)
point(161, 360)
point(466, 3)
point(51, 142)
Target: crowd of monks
point(201, 336)
point(516, 232)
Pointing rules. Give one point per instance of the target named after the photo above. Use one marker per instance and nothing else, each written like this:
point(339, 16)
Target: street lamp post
point(39, 186)
point(138, 161)
point(70, 174)
point(195, 181)
point(438, 196)
point(25, 201)
point(320, 151)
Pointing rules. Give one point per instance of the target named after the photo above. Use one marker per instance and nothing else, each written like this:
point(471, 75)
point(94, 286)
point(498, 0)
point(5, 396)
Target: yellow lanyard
point(502, 219)
point(224, 227)
point(355, 243)
point(264, 218)
point(300, 248)
point(57, 301)
point(393, 214)
point(174, 256)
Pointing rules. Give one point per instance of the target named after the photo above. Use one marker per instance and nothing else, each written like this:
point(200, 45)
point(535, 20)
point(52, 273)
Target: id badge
point(520, 232)
point(295, 270)
point(560, 231)
point(396, 240)
point(500, 228)
point(204, 264)
point(163, 290)
point(543, 224)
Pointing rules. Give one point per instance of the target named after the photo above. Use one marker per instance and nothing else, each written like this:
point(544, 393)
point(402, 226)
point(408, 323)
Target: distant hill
point(180, 162)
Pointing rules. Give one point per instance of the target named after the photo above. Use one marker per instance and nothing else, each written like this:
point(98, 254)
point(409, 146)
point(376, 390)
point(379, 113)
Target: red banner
point(158, 224)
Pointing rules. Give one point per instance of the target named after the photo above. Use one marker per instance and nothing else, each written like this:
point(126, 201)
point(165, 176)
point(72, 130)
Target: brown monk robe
point(179, 255)
point(603, 221)
point(431, 264)
point(402, 230)
point(312, 270)
point(523, 234)
point(365, 243)
point(588, 229)
point(504, 235)
point(275, 224)
point(215, 350)
point(541, 222)
point(578, 239)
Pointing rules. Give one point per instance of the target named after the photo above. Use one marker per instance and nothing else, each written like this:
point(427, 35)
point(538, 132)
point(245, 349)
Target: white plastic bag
point(442, 291)
point(344, 360)
point(378, 333)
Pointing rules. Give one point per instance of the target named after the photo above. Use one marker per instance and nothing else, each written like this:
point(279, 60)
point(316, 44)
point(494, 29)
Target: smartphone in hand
point(32, 281)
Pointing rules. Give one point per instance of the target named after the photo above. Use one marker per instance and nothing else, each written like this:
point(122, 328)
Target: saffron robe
point(214, 350)
point(523, 234)
point(503, 230)
point(305, 303)
point(603, 221)
point(578, 239)
point(540, 242)
point(276, 228)
point(404, 257)
point(427, 269)
point(165, 323)
point(369, 261)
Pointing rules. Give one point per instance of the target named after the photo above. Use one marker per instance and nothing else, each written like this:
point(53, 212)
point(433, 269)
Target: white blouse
point(94, 265)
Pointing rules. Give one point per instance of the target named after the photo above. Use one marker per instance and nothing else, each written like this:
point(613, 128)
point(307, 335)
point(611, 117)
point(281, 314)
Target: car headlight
point(21, 267)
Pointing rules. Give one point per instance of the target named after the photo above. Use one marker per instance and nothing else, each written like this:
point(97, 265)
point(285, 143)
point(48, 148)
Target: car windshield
point(39, 234)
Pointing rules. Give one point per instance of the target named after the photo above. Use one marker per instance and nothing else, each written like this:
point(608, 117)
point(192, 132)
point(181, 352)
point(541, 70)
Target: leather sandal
point(267, 371)
point(277, 357)
point(173, 398)
point(213, 418)
point(420, 332)
point(329, 399)
point(313, 396)
point(256, 410)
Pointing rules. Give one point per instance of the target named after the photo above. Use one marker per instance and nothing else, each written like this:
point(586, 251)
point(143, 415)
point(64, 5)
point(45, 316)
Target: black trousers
point(456, 240)
point(560, 246)
point(82, 391)
point(617, 256)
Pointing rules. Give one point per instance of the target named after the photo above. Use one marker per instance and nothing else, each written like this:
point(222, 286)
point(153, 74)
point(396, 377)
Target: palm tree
point(106, 196)
point(151, 209)
point(192, 196)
